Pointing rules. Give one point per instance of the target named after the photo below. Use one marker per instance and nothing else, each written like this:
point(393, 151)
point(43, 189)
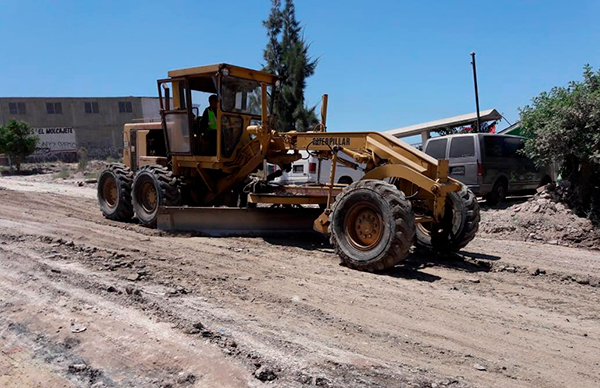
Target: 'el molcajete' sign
point(55, 140)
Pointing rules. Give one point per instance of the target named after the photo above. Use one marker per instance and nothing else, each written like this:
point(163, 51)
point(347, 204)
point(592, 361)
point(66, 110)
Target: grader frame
point(184, 188)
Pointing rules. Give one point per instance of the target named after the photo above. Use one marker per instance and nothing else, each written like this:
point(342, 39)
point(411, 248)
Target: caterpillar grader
point(173, 178)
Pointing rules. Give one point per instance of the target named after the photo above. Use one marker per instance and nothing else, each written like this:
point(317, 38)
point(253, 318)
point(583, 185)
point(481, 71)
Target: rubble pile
point(543, 218)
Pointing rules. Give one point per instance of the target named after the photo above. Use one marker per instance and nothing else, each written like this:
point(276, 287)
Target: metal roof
point(511, 128)
point(210, 70)
point(450, 122)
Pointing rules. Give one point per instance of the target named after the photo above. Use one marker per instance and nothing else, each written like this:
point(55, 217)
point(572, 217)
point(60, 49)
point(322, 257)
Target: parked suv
point(491, 165)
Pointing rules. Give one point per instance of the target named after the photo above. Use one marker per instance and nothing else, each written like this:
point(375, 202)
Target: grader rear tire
point(372, 225)
point(154, 186)
point(114, 192)
point(457, 229)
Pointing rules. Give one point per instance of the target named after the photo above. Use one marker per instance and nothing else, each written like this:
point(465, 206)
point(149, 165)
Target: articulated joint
point(436, 189)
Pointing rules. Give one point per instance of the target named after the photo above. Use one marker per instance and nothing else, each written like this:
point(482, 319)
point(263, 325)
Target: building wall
point(100, 133)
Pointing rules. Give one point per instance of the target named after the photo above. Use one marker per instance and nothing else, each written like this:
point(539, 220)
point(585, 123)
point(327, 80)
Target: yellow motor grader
point(172, 176)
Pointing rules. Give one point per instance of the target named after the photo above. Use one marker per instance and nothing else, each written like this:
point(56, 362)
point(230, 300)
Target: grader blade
point(221, 222)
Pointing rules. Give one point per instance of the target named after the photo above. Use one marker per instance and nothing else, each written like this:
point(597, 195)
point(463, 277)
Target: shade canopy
point(450, 122)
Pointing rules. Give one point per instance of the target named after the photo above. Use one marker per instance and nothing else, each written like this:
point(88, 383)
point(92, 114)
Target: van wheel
point(498, 193)
point(458, 227)
point(154, 186)
point(114, 192)
point(345, 180)
point(372, 225)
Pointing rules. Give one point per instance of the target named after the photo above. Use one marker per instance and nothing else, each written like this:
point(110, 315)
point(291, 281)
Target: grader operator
point(170, 179)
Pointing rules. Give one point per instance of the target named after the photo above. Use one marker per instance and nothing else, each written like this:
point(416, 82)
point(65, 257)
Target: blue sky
point(384, 64)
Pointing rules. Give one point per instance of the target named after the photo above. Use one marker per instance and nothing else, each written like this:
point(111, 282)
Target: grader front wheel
point(372, 225)
point(154, 186)
point(457, 228)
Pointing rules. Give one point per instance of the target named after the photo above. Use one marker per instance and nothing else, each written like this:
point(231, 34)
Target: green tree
point(286, 55)
point(17, 142)
point(563, 126)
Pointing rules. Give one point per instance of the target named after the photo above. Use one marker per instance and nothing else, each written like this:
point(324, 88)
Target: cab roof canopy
point(200, 77)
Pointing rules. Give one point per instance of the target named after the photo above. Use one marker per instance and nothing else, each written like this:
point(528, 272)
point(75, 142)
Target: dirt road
point(86, 302)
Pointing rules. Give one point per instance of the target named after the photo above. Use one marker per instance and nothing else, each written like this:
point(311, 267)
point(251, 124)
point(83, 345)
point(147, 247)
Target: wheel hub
point(149, 197)
point(363, 226)
point(110, 192)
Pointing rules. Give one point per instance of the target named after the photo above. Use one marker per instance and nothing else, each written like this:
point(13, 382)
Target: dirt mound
point(542, 218)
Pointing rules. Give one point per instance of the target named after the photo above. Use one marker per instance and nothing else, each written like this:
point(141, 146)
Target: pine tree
point(286, 55)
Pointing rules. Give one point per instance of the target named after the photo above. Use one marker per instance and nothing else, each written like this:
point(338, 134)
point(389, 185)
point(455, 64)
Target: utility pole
point(476, 92)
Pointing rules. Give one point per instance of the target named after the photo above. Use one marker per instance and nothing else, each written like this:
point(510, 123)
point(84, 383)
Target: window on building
point(53, 108)
point(125, 107)
point(17, 108)
point(91, 107)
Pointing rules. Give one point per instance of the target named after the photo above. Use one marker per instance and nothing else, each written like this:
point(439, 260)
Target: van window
point(494, 146)
point(437, 148)
point(512, 146)
point(298, 168)
point(462, 147)
point(500, 146)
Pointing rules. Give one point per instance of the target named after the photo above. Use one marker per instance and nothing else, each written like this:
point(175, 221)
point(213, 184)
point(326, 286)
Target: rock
point(187, 379)
point(244, 277)
point(553, 242)
point(80, 183)
point(77, 368)
point(264, 373)
point(565, 184)
point(479, 367)
point(582, 280)
point(133, 277)
point(541, 189)
point(196, 328)
point(78, 329)
point(295, 299)
point(111, 289)
point(516, 209)
point(474, 280)
point(537, 272)
point(321, 382)
point(510, 269)
point(536, 208)
point(132, 291)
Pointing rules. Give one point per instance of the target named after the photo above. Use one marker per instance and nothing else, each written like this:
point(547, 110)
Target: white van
point(311, 171)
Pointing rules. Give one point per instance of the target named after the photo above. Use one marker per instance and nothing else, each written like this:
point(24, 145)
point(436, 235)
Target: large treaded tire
point(119, 208)
point(397, 218)
point(464, 205)
point(167, 190)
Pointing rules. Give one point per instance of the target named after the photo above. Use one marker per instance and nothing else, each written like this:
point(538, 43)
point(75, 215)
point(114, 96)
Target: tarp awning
point(450, 122)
